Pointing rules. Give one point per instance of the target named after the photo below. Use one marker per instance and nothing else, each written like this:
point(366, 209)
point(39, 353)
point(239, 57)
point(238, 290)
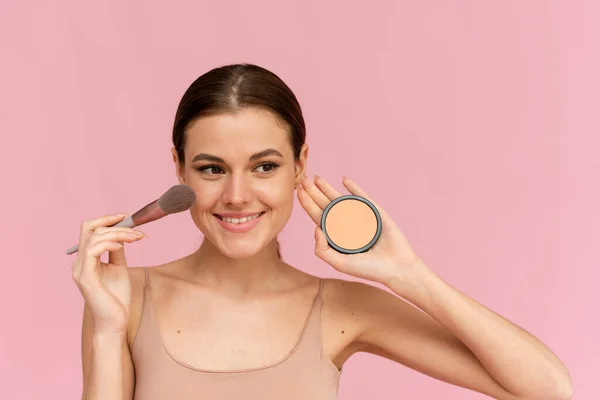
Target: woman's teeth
point(240, 220)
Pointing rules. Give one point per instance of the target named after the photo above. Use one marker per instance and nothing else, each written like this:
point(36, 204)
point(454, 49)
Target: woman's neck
point(255, 274)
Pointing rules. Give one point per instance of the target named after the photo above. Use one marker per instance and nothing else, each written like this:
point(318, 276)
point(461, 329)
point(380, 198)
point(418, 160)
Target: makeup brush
point(177, 199)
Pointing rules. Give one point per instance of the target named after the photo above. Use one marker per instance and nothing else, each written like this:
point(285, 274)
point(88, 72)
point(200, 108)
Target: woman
point(233, 320)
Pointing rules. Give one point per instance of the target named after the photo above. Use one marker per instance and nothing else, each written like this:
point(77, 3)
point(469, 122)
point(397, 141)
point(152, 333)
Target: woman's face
point(241, 166)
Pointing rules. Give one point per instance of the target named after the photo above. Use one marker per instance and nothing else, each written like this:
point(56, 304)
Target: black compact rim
point(365, 201)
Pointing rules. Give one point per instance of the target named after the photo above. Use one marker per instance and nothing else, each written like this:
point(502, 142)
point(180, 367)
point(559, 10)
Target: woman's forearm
point(106, 367)
point(518, 361)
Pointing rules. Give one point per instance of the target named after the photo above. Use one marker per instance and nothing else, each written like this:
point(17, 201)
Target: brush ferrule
point(148, 213)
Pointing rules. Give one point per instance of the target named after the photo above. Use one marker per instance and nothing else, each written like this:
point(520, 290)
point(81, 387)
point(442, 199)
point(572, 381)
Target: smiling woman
point(233, 320)
point(233, 90)
point(242, 165)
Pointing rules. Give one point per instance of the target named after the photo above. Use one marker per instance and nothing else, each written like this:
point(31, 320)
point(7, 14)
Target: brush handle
point(126, 223)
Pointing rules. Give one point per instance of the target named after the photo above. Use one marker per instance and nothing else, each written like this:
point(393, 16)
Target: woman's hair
point(234, 87)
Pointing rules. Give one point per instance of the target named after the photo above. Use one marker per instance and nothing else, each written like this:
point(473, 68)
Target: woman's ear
point(301, 165)
point(179, 167)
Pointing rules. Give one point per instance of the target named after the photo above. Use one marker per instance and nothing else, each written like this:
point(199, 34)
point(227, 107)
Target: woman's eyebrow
point(265, 153)
point(255, 156)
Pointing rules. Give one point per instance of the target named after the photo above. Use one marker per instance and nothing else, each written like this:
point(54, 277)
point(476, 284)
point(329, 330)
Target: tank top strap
point(318, 311)
point(147, 341)
point(147, 283)
point(312, 336)
point(319, 300)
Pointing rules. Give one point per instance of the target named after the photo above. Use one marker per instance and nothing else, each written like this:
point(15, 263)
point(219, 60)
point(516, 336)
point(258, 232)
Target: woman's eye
point(266, 168)
point(216, 170)
point(211, 169)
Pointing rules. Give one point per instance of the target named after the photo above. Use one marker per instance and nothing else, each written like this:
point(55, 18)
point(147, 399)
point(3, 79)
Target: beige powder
point(351, 224)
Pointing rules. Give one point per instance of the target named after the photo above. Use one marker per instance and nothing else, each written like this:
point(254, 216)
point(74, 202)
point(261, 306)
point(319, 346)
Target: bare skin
point(234, 305)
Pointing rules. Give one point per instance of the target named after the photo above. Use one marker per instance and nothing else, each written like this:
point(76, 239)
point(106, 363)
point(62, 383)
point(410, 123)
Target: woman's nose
point(237, 190)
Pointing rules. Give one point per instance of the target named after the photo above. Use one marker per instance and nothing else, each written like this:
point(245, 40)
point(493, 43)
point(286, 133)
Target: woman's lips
point(234, 225)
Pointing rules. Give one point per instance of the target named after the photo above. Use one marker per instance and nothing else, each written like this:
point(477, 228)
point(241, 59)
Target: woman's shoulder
point(138, 280)
point(139, 277)
point(359, 304)
point(347, 293)
point(351, 308)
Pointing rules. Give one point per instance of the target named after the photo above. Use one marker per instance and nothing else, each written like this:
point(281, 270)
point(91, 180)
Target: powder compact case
point(351, 224)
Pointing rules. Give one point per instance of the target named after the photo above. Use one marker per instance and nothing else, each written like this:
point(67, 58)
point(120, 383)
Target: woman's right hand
point(106, 287)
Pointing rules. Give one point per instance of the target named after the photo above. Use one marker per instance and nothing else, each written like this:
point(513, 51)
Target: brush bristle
point(177, 199)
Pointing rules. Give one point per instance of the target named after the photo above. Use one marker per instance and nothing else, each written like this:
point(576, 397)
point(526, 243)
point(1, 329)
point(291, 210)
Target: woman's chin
point(240, 250)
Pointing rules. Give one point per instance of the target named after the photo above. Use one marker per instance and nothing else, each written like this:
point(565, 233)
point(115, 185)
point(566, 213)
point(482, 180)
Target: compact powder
point(351, 224)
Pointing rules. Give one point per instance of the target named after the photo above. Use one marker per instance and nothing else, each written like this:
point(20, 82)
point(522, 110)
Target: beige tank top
point(304, 374)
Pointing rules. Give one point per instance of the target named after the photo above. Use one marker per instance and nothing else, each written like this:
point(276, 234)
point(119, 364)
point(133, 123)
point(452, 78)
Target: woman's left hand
point(387, 260)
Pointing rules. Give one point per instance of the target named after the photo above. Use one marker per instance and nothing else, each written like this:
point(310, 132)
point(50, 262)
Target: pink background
point(475, 124)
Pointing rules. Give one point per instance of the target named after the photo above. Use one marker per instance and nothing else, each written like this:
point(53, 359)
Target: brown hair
point(233, 87)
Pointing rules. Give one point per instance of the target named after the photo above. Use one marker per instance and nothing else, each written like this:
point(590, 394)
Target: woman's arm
point(107, 361)
point(458, 341)
point(108, 294)
point(107, 364)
